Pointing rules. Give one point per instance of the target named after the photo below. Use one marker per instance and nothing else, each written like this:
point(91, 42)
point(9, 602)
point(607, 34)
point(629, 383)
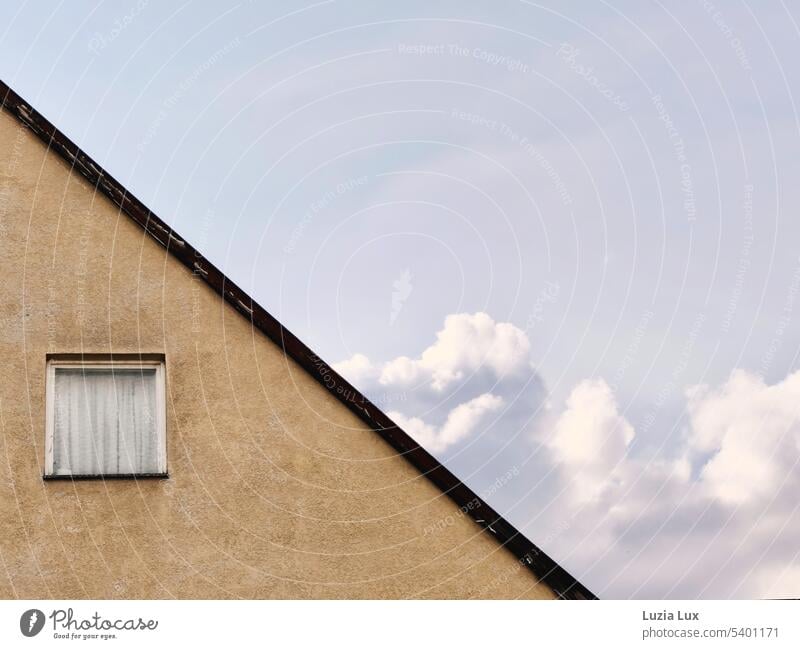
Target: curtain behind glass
point(105, 422)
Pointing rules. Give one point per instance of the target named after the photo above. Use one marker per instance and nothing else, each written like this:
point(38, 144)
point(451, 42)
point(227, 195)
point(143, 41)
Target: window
point(106, 417)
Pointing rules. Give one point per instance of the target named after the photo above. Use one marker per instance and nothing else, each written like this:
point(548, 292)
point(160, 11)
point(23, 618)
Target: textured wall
point(275, 489)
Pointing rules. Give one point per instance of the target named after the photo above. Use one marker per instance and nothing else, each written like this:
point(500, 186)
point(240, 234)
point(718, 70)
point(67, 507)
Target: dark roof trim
point(543, 567)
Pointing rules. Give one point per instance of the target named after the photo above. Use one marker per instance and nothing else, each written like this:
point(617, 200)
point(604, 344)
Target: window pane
point(105, 421)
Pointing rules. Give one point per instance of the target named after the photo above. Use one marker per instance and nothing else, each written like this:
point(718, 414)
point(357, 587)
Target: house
point(163, 436)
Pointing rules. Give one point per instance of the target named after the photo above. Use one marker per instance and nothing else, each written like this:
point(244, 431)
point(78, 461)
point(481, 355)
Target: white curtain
point(105, 422)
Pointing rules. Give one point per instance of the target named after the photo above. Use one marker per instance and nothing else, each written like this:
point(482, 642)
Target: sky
point(556, 241)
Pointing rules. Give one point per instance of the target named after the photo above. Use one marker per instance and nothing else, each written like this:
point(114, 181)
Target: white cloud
point(590, 439)
point(722, 505)
point(752, 432)
point(460, 424)
point(713, 499)
point(743, 436)
point(472, 357)
point(467, 343)
point(356, 369)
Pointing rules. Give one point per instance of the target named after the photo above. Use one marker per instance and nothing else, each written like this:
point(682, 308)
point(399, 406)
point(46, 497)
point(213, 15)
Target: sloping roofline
point(543, 567)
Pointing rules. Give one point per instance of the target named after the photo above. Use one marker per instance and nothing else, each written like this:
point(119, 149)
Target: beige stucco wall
point(275, 489)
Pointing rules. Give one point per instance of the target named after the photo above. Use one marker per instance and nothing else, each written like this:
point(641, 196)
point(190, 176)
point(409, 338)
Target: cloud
point(357, 369)
point(590, 438)
point(467, 343)
point(461, 422)
point(475, 366)
point(743, 438)
point(719, 508)
point(706, 510)
point(751, 431)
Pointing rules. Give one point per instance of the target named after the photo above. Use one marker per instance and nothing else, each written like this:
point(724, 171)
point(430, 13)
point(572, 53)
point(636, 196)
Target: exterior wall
point(276, 490)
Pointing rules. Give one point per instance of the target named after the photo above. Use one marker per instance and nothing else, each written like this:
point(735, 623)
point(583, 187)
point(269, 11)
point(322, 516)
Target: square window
point(105, 418)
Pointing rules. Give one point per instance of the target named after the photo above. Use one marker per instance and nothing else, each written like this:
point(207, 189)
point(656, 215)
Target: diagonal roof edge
point(543, 567)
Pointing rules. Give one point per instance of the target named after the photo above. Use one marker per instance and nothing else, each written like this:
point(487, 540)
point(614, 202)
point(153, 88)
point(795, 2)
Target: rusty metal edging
point(542, 566)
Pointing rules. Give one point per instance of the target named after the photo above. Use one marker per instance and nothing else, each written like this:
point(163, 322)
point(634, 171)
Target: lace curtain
point(105, 421)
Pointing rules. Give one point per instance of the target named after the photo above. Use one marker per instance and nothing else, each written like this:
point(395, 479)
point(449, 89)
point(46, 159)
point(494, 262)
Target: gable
point(284, 481)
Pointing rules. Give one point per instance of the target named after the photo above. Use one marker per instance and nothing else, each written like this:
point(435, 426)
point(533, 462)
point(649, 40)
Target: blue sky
point(558, 241)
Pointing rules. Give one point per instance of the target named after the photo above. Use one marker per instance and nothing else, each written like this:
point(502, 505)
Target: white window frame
point(105, 363)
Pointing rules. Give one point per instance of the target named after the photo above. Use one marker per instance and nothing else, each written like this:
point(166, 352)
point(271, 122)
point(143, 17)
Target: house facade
point(164, 437)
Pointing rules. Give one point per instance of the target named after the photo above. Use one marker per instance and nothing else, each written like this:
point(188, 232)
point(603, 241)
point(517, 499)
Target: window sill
point(114, 476)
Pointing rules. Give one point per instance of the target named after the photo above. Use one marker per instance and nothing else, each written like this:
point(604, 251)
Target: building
point(163, 436)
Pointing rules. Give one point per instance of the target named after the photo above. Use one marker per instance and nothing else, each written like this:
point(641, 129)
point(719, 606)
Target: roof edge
point(540, 564)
